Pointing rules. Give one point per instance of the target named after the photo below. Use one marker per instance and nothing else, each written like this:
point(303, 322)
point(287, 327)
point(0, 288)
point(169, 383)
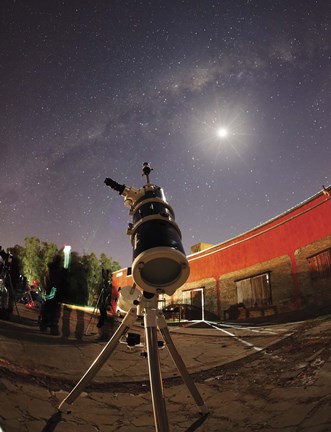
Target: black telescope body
point(159, 261)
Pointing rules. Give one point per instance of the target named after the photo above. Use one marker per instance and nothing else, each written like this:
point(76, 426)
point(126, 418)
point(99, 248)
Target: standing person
point(55, 290)
point(7, 294)
point(104, 322)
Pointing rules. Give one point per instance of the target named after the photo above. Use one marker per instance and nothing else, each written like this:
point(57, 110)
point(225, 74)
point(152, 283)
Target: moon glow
point(222, 132)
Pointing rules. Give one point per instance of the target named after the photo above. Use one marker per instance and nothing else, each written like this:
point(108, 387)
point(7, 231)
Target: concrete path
point(247, 382)
point(26, 350)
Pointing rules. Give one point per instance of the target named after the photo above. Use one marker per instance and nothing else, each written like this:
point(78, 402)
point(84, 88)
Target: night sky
point(228, 100)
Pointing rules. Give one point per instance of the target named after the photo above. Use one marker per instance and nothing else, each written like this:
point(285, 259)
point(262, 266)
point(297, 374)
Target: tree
point(48, 252)
point(32, 260)
point(115, 266)
point(105, 262)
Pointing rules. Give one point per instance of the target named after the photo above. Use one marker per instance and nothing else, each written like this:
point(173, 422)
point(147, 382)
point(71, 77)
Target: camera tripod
point(153, 319)
point(5, 275)
point(95, 310)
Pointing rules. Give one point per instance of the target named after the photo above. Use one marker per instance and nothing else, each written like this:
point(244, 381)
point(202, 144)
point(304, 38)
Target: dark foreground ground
point(268, 378)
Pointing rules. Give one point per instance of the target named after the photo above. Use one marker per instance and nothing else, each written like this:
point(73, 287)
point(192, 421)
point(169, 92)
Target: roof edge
point(290, 210)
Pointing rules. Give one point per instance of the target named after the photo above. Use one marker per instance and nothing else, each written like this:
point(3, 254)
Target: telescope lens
point(161, 271)
point(160, 268)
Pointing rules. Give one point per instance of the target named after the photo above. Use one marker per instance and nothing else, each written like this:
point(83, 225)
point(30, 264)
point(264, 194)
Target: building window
point(320, 265)
point(255, 291)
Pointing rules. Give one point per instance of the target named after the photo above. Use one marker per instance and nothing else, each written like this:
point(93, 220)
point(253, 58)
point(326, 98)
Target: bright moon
point(222, 133)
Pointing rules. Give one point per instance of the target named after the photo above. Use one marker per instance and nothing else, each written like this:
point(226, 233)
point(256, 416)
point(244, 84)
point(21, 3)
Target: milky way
point(91, 90)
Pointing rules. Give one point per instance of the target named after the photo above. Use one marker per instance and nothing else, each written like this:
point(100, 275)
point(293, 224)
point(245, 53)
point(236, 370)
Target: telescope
point(159, 266)
point(159, 262)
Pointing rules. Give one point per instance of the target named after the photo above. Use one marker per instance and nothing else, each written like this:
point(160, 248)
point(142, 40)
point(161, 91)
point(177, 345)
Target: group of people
point(55, 290)
point(56, 283)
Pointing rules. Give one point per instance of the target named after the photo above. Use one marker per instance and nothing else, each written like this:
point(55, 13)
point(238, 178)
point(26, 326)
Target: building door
point(320, 273)
point(320, 266)
point(254, 291)
point(195, 297)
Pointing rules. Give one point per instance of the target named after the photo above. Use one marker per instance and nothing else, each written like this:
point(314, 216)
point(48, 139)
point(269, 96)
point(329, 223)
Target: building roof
point(268, 222)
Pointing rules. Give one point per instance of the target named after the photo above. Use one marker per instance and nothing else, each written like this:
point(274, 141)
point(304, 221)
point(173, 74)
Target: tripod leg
point(89, 323)
point(99, 361)
point(93, 314)
point(155, 377)
point(180, 364)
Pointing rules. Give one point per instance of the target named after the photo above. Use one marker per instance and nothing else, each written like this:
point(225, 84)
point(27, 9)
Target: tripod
point(153, 318)
point(96, 307)
point(5, 275)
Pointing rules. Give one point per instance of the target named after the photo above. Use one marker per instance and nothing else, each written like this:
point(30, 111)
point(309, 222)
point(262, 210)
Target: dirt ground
point(285, 387)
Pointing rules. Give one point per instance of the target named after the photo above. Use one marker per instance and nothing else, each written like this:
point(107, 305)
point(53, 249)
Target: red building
point(280, 266)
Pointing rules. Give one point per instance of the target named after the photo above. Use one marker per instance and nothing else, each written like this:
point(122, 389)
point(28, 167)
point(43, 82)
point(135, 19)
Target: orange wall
point(282, 236)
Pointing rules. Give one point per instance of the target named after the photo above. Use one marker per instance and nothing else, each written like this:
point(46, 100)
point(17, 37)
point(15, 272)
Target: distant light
point(66, 250)
point(222, 133)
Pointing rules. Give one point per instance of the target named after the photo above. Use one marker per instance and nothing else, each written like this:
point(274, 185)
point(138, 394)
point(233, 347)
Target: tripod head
point(159, 262)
